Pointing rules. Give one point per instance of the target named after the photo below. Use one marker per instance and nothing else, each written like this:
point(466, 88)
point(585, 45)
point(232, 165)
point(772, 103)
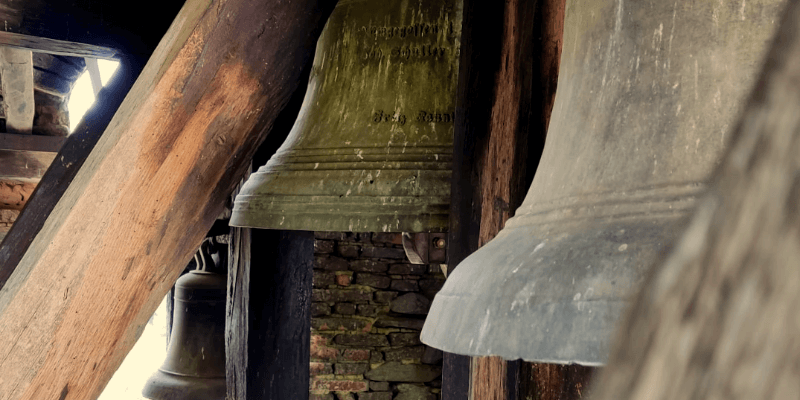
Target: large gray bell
point(646, 95)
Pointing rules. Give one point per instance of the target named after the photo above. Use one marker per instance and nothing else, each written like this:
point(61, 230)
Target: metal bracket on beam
point(425, 248)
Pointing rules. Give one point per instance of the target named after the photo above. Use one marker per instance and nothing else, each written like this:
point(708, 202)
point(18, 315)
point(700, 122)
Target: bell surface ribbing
point(371, 150)
point(647, 92)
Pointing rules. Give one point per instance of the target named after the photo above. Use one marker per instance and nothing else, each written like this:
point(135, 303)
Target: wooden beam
point(152, 186)
point(16, 68)
point(718, 317)
point(56, 47)
point(16, 142)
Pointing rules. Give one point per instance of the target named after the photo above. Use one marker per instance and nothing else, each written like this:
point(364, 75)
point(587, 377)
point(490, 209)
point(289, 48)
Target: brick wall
point(369, 305)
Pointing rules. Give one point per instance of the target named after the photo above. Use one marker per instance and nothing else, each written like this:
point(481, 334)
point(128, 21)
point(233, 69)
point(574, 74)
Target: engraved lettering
point(434, 117)
point(397, 117)
point(415, 30)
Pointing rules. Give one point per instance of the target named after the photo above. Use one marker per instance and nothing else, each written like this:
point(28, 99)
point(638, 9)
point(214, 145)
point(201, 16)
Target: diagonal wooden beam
point(153, 185)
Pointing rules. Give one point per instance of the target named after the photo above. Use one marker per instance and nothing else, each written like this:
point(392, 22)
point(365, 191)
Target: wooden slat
point(718, 318)
point(16, 68)
point(56, 47)
point(145, 197)
point(17, 142)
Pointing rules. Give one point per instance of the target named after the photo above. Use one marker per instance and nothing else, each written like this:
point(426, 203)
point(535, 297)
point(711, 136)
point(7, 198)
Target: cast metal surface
point(371, 149)
point(646, 94)
point(195, 365)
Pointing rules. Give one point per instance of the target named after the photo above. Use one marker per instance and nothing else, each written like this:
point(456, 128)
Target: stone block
point(385, 297)
point(351, 368)
point(345, 396)
point(323, 279)
point(373, 266)
point(372, 280)
point(384, 252)
point(370, 310)
point(404, 285)
point(414, 392)
point(379, 386)
point(375, 395)
point(355, 355)
point(340, 324)
point(411, 303)
point(320, 310)
point(429, 287)
point(326, 396)
point(344, 308)
point(348, 250)
point(324, 246)
point(362, 340)
point(340, 296)
point(405, 339)
point(340, 385)
point(375, 357)
point(399, 322)
point(432, 356)
point(408, 269)
point(330, 235)
point(330, 263)
point(404, 353)
point(318, 368)
point(395, 371)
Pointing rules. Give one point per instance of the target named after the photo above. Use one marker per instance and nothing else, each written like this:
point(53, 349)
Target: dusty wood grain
point(48, 144)
point(106, 255)
point(718, 319)
point(56, 47)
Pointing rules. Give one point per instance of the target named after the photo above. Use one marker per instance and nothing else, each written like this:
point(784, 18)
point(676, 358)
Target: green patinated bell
point(371, 149)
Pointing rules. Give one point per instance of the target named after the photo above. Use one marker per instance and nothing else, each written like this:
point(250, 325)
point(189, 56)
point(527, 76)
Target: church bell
point(195, 365)
point(371, 150)
point(647, 92)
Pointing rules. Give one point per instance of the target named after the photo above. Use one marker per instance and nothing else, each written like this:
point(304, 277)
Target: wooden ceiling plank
point(57, 47)
point(17, 142)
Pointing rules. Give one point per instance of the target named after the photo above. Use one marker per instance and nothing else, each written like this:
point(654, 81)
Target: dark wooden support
point(151, 188)
point(718, 317)
point(507, 82)
point(49, 144)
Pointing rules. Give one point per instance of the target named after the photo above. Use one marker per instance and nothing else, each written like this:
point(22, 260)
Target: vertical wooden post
point(16, 66)
point(507, 83)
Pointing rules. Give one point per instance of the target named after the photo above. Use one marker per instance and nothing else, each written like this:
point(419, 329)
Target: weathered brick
point(404, 285)
point(372, 280)
point(318, 368)
point(343, 280)
point(384, 252)
point(351, 368)
point(379, 386)
point(355, 355)
point(340, 324)
point(388, 238)
point(324, 246)
point(362, 237)
point(320, 349)
point(398, 322)
point(375, 395)
point(348, 250)
point(345, 396)
point(369, 266)
point(404, 339)
point(320, 310)
point(330, 263)
point(340, 295)
point(326, 396)
point(340, 385)
point(344, 308)
point(385, 297)
point(362, 340)
point(404, 353)
point(395, 371)
point(371, 310)
point(323, 279)
point(408, 269)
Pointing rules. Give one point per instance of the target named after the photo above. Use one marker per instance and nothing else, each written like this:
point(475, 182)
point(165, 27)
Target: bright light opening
point(82, 96)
